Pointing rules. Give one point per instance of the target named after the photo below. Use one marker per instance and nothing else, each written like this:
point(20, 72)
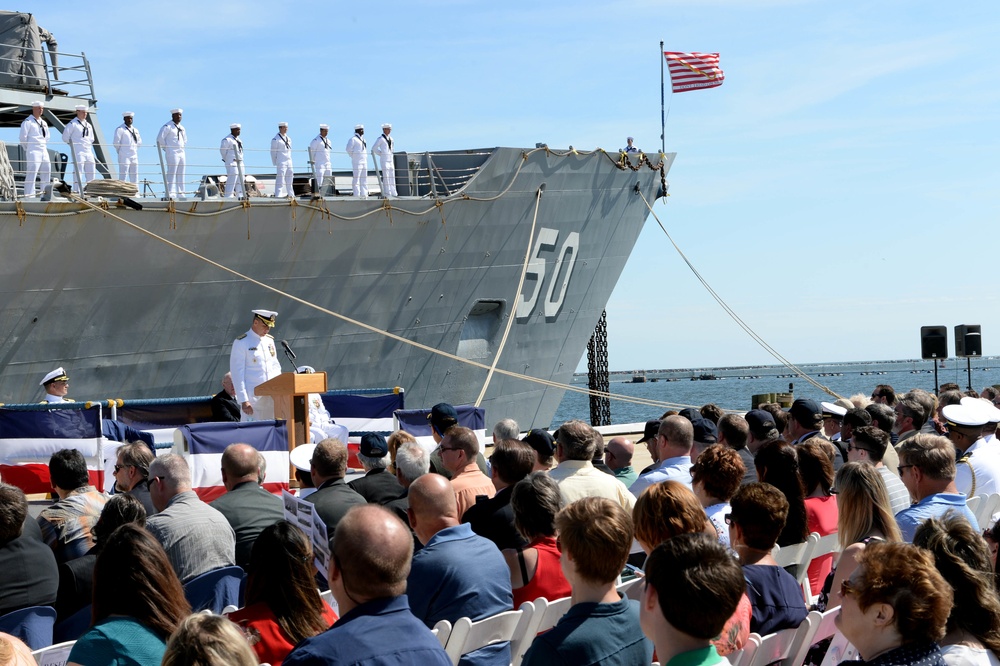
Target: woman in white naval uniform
point(253, 361)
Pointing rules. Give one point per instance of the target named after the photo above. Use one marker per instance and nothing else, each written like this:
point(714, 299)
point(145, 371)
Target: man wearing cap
point(34, 138)
point(80, 137)
point(618, 457)
point(319, 155)
point(231, 150)
point(806, 421)
point(544, 445)
point(648, 439)
point(126, 142)
point(630, 148)
point(301, 459)
point(281, 158)
point(833, 420)
point(705, 434)
point(978, 460)
point(172, 139)
point(356, 148)
point(378, 485)
point(253, 361)
point(56, 385)
point(383, 148)
point(673, 442)
point(762, 428)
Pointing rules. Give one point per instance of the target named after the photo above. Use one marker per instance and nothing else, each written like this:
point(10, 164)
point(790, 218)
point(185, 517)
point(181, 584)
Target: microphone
point(288, 350)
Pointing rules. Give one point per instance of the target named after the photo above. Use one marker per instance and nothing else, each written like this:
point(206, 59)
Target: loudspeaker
point(968, 340)
point(933, 342)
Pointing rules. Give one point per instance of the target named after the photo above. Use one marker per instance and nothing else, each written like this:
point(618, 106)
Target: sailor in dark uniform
point(253, 361)
point(224, 405)
point(56, 385)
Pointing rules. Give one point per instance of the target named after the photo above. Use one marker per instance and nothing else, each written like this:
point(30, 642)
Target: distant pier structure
point(597, 373)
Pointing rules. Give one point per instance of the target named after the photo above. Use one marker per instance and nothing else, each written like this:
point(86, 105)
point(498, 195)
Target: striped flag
point(691, 71)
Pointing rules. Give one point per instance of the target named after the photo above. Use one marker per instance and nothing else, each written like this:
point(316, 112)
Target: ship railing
point(48, 73)
point(431, 175)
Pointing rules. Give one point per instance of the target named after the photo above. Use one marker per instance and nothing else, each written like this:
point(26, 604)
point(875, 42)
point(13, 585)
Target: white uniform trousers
point(235, 177)
point(359, 184)
point(86, 168)
point(388, 177)
point(320, 174)
point(263, 409)
point(176, 167)
point(40, 167)
point(283, 182)
point(128, 168)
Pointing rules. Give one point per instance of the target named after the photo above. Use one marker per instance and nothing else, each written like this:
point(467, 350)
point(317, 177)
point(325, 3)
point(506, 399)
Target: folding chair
point(468, 636)
point(523, 634)
point(442, 630)
point(54, 655)
point(214, 590)
point(33, 625)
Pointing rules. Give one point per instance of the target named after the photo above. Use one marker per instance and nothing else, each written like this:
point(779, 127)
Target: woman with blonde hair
point(208, 640)
point(864, 516)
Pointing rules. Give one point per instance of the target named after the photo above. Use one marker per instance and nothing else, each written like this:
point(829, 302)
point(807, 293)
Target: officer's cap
point(235, 126)
point(128, 114)
point(57, 375)
point(266, 316)
point(358, 127)
point(983, 407)
point(964, 416)
point(177, 110)
point(305, 370)
point(301, 456)
point(80, 107)
point(831, 409)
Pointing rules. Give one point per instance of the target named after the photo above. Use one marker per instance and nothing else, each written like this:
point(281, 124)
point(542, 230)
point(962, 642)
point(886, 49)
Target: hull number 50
point(560, 267)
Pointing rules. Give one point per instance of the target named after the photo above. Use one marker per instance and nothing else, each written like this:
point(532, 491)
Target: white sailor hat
point(305, 370)
point(630, 139)
point(963, 416)
point(282, 124)
point(267, 316)
point(235, 126)
point(984, 407)
point(301, 456)
point(386, 125)
point(128, 114)
point(358, 127)
point(326, 127)
point(80, 107)
point(830, 409)
point(37, 104)
point(57, 375)
point(177, 110)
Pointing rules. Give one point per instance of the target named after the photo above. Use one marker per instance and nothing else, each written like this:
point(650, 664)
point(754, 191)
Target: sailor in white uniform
point(253, 361)
point(34, 142)
point(231, 150)
point(127, 142)
point(172, 139)
point(321, 424)
point(383, 148)
point(80, 137)
point(281, 158)
point(319, 154)
point(978, 468)
point(356, 147)
point(56, 385)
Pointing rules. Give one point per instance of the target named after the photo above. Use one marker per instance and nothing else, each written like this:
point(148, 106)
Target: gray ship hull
point(129, 316)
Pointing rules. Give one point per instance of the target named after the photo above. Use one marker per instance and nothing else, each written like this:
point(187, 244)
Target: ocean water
point(733, 387)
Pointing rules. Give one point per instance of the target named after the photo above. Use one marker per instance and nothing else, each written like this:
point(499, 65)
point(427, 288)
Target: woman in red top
point(816, 469)
point(535, 570)
point(283, 606)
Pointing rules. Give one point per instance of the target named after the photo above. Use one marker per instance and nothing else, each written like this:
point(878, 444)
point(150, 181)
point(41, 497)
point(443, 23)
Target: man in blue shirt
point(672, 442)
point(927, 468)
point(368, 569)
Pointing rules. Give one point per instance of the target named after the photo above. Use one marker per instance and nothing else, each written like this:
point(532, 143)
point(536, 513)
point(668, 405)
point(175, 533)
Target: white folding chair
point(825, 545)
point(973, 504)
point(442, 630)
point(631, 588)
point(54, 655)
point(799, 554)
point(467, 636)
point(775, 647)
point(987, 507)
point(523, 635)
point(229, 609)
point(804, 639)
point(544, 616)
point(745, 656)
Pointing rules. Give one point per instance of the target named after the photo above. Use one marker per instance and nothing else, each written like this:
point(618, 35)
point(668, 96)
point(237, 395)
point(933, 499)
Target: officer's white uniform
point(80, 137)
point(321, 424)
point(231, 150)
point(319, 153)
point(34, 142)
point(281, 157)
point(172, 139)
point(127, 141)
point(383, 148)
point(253, 361)
point(356, 147)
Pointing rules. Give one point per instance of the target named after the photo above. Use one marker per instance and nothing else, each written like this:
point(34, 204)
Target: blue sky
point(839, 190)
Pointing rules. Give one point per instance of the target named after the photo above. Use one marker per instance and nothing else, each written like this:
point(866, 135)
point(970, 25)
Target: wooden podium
point(290, 392)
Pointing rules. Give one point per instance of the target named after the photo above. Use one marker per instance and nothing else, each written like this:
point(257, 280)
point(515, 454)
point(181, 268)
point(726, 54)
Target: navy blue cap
point(705, 431)
point(373, 445)
point(541, 441)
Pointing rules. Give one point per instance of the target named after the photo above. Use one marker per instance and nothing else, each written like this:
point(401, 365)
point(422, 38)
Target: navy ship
point(106, 289)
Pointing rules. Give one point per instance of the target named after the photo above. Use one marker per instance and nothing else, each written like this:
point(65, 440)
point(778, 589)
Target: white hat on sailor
point(964, 416)
point(177, 110)
point(37, 104)
point(282, 124)
point(326, 127)
point(235, 126)
point(386, 125)
point(831, 409)
point(301, 456)
point(984, 407)
point(57, 375)
point(128, 114)
point(80, 107)
point(267, 316)
point(358, 127)
point(305, 370)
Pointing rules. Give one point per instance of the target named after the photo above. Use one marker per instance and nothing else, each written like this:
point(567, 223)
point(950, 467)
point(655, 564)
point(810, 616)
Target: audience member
point(534, 569)
point(895, 607)
point(544, 444)
point(76, 577)
point(132, 470)
point(833, 420)
point(689, 571)
point(618, 457)
point(246, 505)
point(816, 472)
point(394, 441)
point(963, 559)
point(673, 443)
point(442, 418)
point(196, 537)
point(884, 395)
point(734, 432)
point(369, 566)
point(705, 434)
point(458, 450)
point(30, 577)
point(883, 418)
point(927, 468)
point(493, 517)
point(649, 433)
point(13, 652)
point(224, 405)
point(869, 444)
point(138, 602)
point(598, 458)
point(412, 462)
point(208, 640)
point(910, 418)
point(805, 421)
point(854, 418)
point(283, 606)
point(779, 415)
point(301, 459)
point(333, 497)
point(506, 429)
point(762, 427)
point(575, 472)
point(712, 412)
point(67, 526)
point(758, 516)
point(715, 476)
point(601, 627)
point(978, 471)
point(778, 465)
point(378, 485)
point(457, 573)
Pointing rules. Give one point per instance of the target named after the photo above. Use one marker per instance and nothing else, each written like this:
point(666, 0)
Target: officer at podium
point(253, 361)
